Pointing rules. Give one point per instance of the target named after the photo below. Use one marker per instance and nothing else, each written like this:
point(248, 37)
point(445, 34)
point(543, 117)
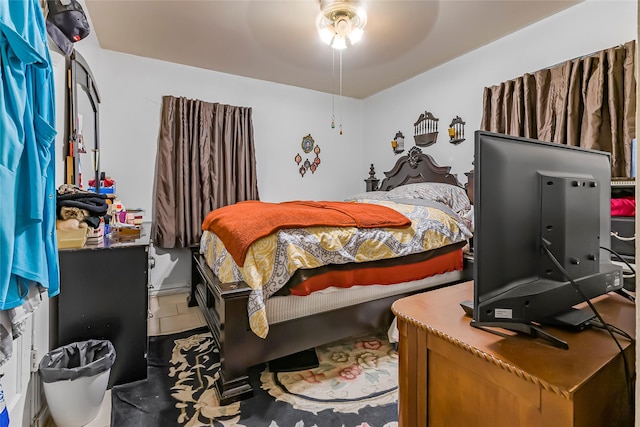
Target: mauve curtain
point(588, 102)
point(206, 160)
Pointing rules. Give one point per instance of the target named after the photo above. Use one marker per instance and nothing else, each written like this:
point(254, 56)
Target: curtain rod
point(584, 56)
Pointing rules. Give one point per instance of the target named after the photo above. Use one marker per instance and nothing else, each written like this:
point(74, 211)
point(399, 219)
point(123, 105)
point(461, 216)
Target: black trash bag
point(76, 360)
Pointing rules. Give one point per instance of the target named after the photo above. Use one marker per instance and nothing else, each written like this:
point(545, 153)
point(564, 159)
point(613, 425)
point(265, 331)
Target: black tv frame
point(536, 202)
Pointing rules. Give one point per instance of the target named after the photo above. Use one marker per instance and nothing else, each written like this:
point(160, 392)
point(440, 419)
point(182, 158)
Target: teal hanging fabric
point(28, 247)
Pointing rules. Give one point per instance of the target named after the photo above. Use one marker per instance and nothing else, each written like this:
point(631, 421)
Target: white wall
point(456, 87)
point(133, 87)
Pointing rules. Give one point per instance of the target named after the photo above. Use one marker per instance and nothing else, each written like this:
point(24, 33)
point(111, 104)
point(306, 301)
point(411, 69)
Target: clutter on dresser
point(71, 233)
point(125, 233)
point(125, 222)
point(96, 235)
point(107, 185)
point(80, 216)
point(87, 218)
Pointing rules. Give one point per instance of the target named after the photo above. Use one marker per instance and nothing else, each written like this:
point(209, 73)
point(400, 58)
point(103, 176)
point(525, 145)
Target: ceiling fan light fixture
point(343, 25)
point(339, 42)
point(339, 21)
point(356, 35)
point(326, 35)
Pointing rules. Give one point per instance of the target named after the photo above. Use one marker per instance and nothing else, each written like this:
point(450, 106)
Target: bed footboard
point(224, 306)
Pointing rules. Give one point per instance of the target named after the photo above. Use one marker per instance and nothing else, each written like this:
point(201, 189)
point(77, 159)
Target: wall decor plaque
point(425, 130)
point(307, 144)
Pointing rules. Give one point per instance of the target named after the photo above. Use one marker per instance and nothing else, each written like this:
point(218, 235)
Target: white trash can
point(75, 378)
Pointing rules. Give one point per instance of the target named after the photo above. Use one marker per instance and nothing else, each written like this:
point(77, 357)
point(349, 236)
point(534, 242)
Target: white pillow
point(370, 195)
point(450, 195)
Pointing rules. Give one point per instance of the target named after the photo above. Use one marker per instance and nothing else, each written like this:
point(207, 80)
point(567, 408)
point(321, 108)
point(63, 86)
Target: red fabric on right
point(623, 206)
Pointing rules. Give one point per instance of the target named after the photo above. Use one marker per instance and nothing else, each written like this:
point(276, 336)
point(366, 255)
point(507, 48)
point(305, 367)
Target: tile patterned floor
point(169, 314)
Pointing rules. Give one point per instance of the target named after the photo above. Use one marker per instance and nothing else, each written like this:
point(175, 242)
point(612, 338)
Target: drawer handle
point(624, 239)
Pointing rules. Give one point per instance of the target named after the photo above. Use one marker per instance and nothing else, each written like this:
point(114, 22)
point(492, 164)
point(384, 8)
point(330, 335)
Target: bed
point(331, 314)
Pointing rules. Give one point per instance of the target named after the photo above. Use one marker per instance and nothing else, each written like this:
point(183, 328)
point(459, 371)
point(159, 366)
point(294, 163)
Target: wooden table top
point(438, 312)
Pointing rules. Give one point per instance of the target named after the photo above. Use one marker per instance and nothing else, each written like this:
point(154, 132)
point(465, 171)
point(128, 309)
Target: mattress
point(283, 308)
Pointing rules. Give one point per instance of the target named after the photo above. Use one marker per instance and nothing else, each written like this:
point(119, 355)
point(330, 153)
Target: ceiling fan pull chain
point(333, 88)
point(340, 91)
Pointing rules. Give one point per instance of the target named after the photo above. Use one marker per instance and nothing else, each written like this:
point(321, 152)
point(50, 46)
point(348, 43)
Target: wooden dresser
point(451, 374)
point(104, 295)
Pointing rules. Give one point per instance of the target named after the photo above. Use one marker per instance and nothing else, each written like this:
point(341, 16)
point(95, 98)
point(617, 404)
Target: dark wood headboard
point(416, 167)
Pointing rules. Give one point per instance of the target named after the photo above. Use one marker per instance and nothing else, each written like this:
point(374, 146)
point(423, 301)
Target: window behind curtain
point(206, 160)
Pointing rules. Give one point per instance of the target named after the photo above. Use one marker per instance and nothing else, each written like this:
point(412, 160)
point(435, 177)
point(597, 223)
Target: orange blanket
point(241, 224)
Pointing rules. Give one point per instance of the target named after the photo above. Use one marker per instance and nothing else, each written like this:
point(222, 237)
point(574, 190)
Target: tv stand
point(453, 374)
point(525, 328)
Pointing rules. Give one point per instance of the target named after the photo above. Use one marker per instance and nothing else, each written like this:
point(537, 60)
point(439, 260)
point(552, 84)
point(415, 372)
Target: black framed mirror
point(83, 125)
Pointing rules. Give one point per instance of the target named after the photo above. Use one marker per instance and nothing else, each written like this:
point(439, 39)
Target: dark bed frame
point(225, 304)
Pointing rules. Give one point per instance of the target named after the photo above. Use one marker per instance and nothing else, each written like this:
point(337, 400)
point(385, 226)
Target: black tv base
point(574, 320)
point(526, 328)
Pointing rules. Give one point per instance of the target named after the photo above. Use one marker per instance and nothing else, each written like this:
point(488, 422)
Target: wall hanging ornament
point(397, 145)
point(316, 161)
point(307, 143)
point(456, 130)
point(308, 146)
point(425, 130)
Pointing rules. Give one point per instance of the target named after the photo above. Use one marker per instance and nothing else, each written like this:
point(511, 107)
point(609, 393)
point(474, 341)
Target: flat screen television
point(542, 214)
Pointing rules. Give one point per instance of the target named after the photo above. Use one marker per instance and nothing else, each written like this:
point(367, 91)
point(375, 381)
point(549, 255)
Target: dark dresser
point(104, 295)
point(623, 230)
point(623, 227)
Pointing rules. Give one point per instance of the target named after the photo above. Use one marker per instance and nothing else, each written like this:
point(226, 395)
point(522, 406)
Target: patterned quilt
point(273, 259)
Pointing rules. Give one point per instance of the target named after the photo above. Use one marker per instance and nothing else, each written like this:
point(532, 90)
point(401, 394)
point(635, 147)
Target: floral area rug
point(354, 385)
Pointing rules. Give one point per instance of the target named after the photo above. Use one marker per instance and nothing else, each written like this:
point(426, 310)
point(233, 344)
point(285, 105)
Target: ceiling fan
point(340, 21)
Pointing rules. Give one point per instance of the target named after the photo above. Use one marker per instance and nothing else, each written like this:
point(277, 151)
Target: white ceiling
point(277, 40)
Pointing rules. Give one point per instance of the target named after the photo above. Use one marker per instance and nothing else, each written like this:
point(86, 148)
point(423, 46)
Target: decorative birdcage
point(425, 130)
